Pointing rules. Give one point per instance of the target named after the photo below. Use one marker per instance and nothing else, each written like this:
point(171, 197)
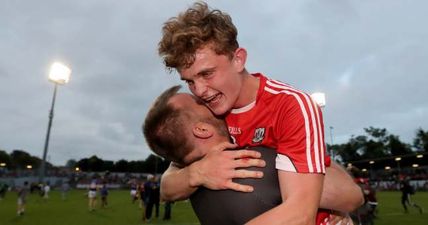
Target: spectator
point(152, 191)
point(64, 189)
point(22, 198)
point(406, 191)
point(104, 194)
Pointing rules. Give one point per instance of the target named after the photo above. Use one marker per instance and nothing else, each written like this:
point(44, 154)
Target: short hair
point(164, 128)
point(197, 27)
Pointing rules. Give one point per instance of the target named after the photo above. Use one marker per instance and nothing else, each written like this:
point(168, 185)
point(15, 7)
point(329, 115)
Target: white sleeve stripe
point(307, 129)
point(315, 127)
point(321, 140)
point(318, 145)
point(319, 160)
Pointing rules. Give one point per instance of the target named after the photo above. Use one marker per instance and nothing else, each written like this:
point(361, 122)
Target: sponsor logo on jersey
point(234, 130)
point(259, 135)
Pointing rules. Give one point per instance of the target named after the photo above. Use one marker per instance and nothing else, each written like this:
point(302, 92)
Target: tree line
point(375, 143)
point(379, 143)
point(20, 160)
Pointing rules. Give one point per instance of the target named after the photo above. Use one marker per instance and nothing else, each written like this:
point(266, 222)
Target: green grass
point(391, 211)
point(74, 211)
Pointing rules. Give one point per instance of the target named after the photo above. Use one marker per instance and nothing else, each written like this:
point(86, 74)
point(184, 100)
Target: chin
point(219, 111)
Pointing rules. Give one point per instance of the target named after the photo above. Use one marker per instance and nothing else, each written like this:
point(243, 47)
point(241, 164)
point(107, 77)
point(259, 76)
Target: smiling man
point(179, 119)
point(201, 44)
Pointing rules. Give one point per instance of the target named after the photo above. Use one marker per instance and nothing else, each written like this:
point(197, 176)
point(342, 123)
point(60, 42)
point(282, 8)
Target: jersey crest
point(259, 135)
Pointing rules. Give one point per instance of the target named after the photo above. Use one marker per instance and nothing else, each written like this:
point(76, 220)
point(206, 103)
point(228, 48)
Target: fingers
point(247, 174)
point(247, 162)
point(239, 187)
point(246, 154)
point(224, 145)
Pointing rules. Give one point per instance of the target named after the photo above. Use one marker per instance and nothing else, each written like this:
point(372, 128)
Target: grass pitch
point(120, 211)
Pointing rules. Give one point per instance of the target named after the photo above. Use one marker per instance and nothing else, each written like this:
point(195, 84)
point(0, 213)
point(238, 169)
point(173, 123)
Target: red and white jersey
point(286, 119)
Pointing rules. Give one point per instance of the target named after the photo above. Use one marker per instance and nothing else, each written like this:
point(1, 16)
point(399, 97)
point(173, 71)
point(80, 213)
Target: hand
point(216, 169)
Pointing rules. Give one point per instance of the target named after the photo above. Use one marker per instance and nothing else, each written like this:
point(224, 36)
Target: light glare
point(319, 98)
point(59, 73)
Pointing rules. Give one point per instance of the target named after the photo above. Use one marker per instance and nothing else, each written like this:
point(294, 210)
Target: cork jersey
point(283, 118)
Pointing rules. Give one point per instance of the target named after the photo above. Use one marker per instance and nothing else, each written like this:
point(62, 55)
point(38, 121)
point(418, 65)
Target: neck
point(248, 91)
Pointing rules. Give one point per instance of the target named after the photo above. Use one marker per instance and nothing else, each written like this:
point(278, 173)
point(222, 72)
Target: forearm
point(340, 192)
point(175, 184)
point(288, 213)
point(301, 194)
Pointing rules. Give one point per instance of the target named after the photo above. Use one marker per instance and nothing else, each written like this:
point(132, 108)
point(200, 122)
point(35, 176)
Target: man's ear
point(239, 59)
point(202, 130)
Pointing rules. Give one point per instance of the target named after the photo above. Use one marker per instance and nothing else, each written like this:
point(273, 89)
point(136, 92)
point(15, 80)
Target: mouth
point(213, 99)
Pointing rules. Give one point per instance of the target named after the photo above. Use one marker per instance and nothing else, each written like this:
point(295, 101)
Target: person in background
point(152, 192)
point(104, 194)
point(406, 191)
point(65, 187)
point(167, 210)
point(92, 195)
point(3, 190)
point(46, 190)
point(22, 198)
point(133, 192)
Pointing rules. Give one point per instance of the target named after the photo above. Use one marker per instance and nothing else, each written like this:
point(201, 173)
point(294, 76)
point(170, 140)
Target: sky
point(368, 57)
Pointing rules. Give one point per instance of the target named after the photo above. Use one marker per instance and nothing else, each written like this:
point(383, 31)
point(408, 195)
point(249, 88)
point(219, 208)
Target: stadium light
point(419, 156)
point(364, 170)
point(29, 167)
point(77, 169)
point(59, 74)
point(3, 164)
point(371, 162)
point(398, 159)
point(387, 168)
point(415, 165)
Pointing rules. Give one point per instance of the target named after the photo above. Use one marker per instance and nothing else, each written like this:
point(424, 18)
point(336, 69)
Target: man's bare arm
point(301, 194)
point(172, 189)
point(340, 192)
point(214, 171)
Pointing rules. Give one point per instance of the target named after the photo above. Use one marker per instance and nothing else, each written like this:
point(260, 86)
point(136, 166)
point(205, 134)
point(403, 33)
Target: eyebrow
point(211, 69)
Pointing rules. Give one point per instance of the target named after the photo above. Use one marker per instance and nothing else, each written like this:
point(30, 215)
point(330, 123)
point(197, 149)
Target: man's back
point(231, 207)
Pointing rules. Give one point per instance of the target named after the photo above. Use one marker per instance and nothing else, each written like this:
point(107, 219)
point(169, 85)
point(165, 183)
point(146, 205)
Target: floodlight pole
point(45, 150)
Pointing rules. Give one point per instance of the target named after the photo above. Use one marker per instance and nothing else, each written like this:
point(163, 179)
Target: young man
point(201, 44)
point(199, 132)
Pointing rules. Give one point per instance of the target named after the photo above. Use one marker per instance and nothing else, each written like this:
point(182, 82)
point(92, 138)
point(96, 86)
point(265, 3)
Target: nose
point(199, 88)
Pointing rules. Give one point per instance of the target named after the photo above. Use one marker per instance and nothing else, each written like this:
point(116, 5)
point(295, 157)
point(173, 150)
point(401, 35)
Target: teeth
point(212, 98)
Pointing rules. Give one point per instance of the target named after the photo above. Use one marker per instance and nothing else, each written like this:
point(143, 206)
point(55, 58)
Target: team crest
point(259, 135)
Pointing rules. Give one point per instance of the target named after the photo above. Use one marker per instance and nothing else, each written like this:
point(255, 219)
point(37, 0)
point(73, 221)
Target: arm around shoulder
point(175, 183)
point(301, 194)
point(340, 192)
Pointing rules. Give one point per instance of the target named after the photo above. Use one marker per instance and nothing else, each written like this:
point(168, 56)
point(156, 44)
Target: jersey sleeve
point(300, 133)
